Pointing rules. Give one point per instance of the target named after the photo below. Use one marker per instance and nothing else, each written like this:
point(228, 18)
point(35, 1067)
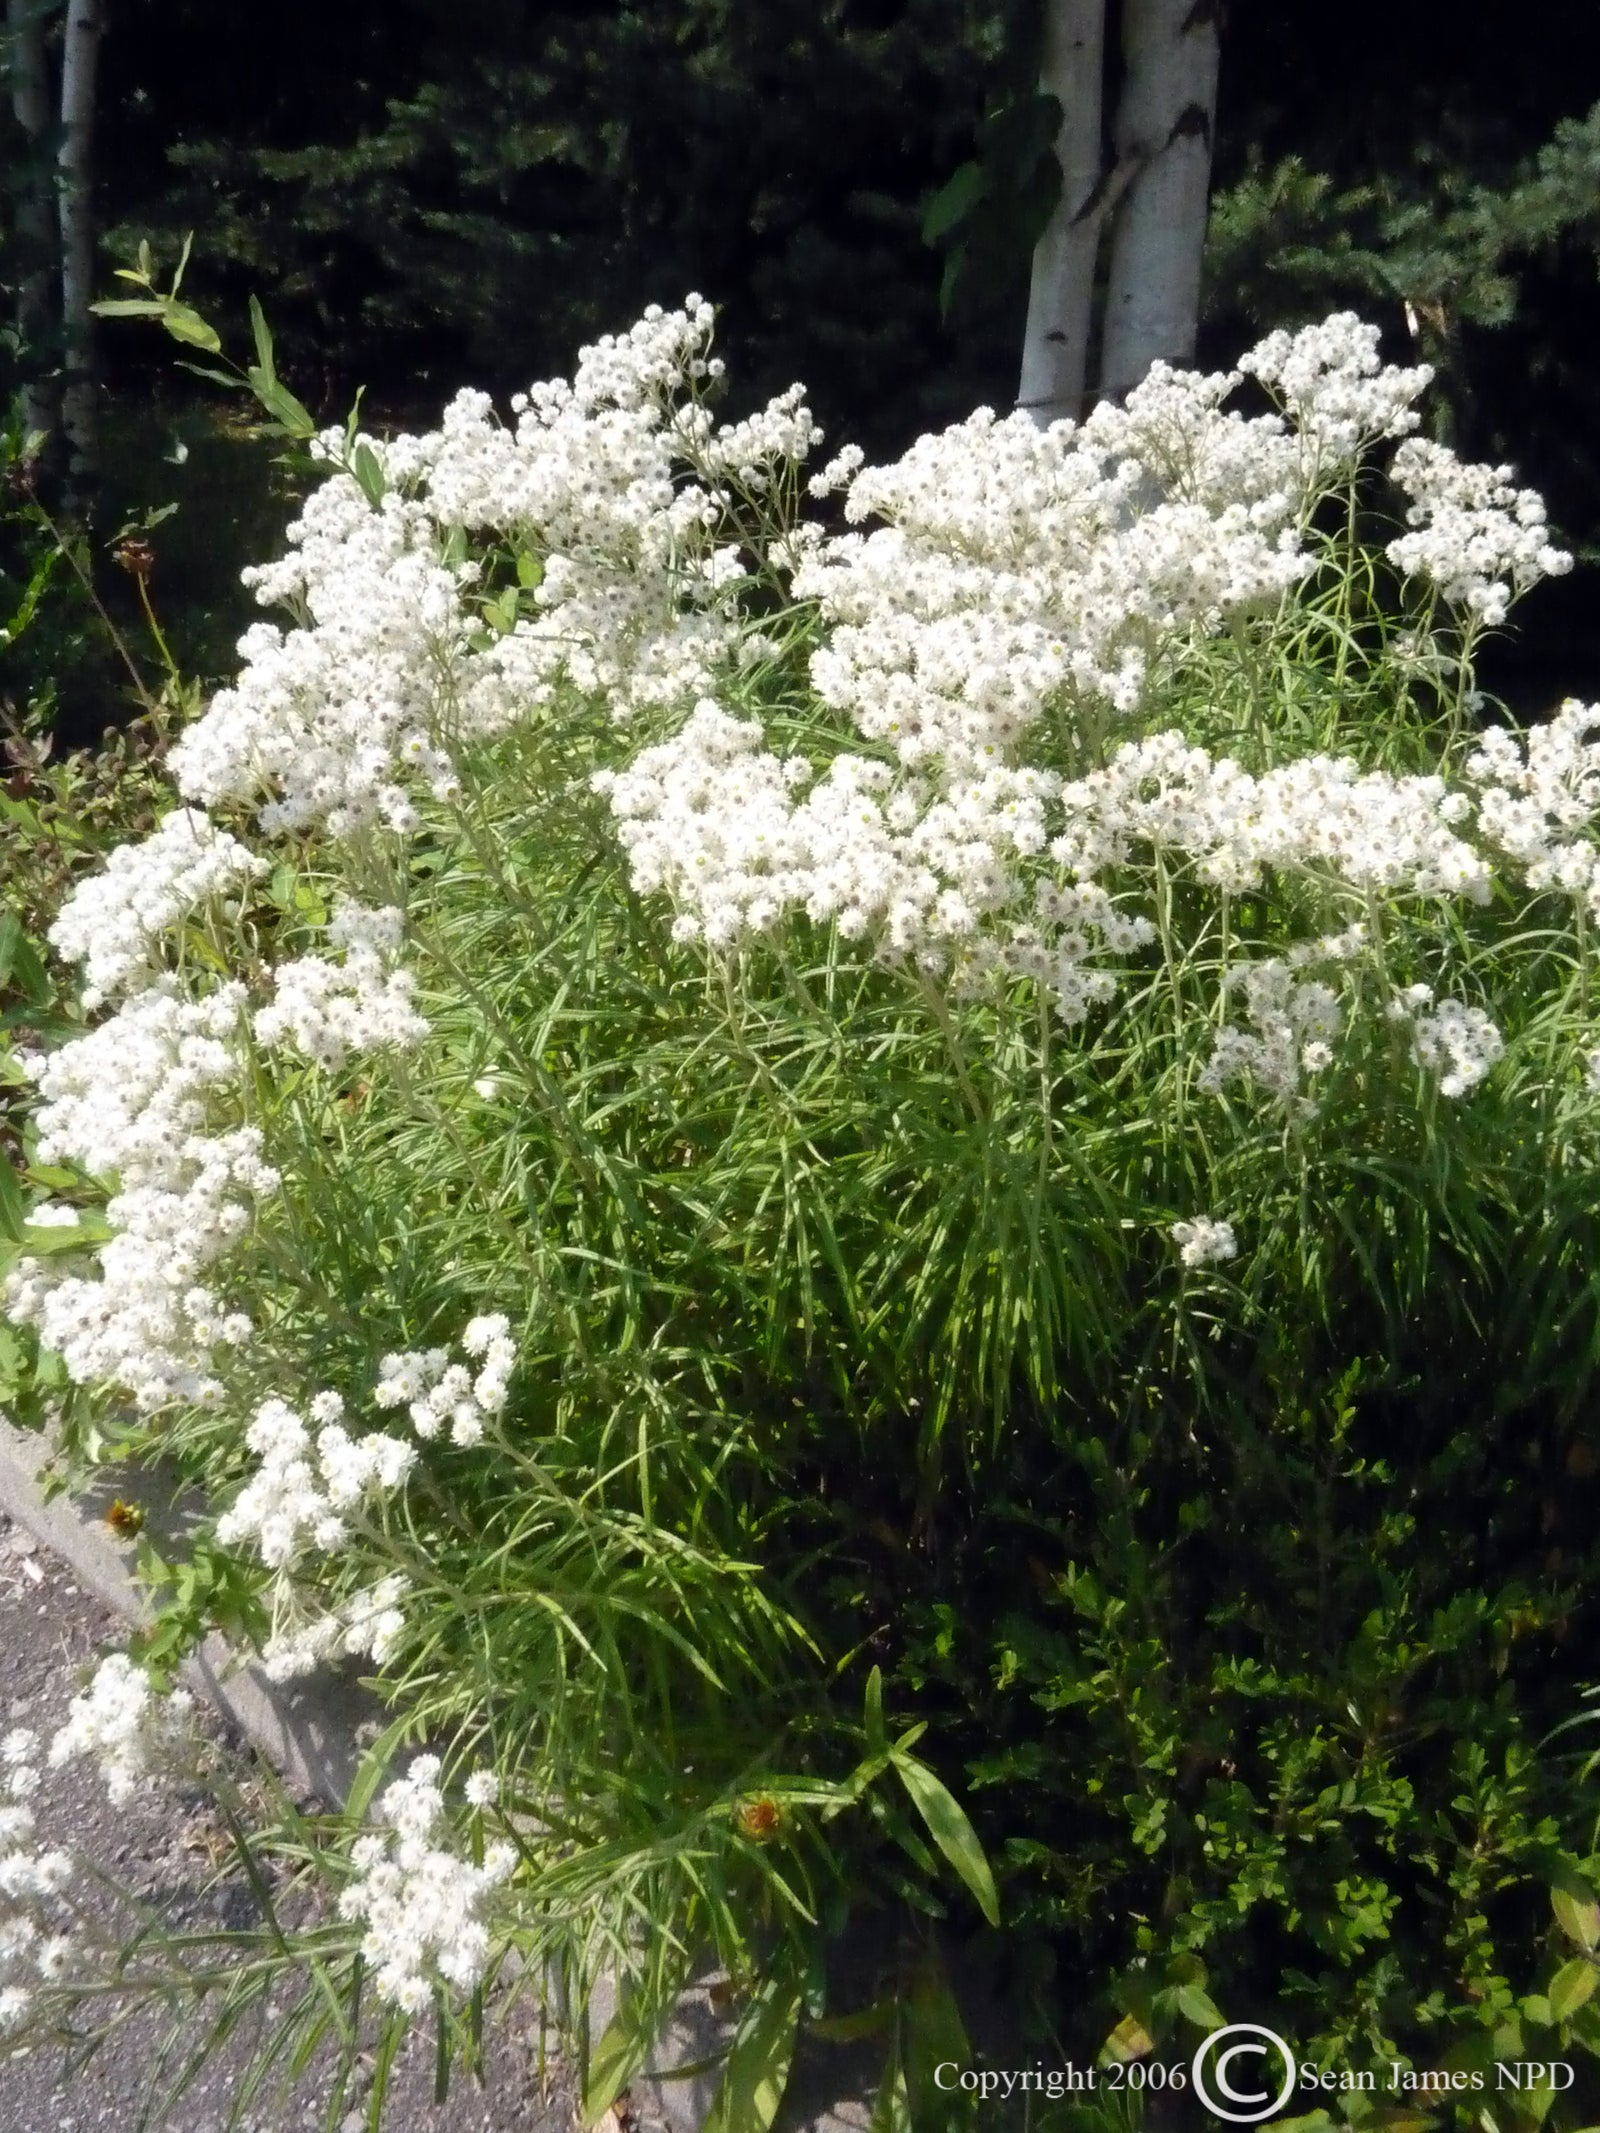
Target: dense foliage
point(807, 1167)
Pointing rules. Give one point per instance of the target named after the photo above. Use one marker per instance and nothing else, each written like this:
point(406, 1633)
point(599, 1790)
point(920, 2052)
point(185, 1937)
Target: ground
point(159, 1844)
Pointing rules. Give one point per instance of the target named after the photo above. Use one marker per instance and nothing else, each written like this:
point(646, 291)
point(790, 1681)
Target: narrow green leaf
point(891, 2110)
point(932, 2035)
point(877, 1737)
point(289, 414)
point(622, 2049)
point(83, 1235)
point(364, 466)
point(216, 377)
point(262, 336)
point(28, 971)
point(851, 2028)
point(374, 1768)
point(10, 934)
point(129, 307)
point(757, 2072)
point(951, 1831)
point(13, 1208)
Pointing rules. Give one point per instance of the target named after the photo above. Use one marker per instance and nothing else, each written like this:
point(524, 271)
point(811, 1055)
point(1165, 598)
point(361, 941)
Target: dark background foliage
point(429, 193)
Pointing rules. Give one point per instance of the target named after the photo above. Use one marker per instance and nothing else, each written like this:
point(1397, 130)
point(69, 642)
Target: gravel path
point(159, 1843)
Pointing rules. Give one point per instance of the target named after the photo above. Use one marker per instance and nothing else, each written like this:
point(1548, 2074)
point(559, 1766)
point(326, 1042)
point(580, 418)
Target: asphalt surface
point(164, 1845)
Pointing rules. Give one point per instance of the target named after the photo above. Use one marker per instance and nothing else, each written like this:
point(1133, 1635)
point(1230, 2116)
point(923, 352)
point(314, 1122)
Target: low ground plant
point(881, 1182)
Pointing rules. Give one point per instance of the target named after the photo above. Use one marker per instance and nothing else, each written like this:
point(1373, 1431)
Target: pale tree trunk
point(1164, 129)
point(80, 52)
point(29, 69)
point(1055, 348)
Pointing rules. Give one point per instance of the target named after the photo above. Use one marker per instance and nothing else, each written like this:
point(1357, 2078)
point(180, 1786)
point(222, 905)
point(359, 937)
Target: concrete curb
point(313, 1734)
point(310, 1731)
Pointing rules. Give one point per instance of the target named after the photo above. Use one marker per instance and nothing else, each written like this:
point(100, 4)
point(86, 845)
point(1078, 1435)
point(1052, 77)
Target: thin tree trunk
point(81, 51)
point(29, 68)
point(1164, 130)
point(1055, 347)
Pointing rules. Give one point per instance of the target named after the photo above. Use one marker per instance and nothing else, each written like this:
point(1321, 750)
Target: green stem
point(958, 1058)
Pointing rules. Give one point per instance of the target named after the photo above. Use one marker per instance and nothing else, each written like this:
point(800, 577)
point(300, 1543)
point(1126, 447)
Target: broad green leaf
point(530, 572)
point(1199, 2007)
point(951, 1831)
point(1572, 1985)
point(10, 934)
point(1129, 2040)
point(757, 2072)
point(1577, 1913)
point(189, 327)
point(953, 202)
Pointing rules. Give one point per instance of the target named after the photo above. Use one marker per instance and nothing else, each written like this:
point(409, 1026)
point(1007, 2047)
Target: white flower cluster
point(1458, 1043)
point(1477, 537)
point(128, 1101)
point(435, 1391)
point(121, 1722)
point(303, 1488)
point(113, 921)
point(1540, 799)
point(1367, 828)
point(369, 1623)
point(33, 1949)
point(1295, 1021)
point(1018, 568)
point(1336, 388)
point(404, 655)
point(315, 726)
point(329, 1010)
point(423, 1904)
point(1027, 584)
point(1205, 1241)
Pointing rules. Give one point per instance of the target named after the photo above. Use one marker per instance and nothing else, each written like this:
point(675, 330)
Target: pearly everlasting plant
point(727, 1074)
